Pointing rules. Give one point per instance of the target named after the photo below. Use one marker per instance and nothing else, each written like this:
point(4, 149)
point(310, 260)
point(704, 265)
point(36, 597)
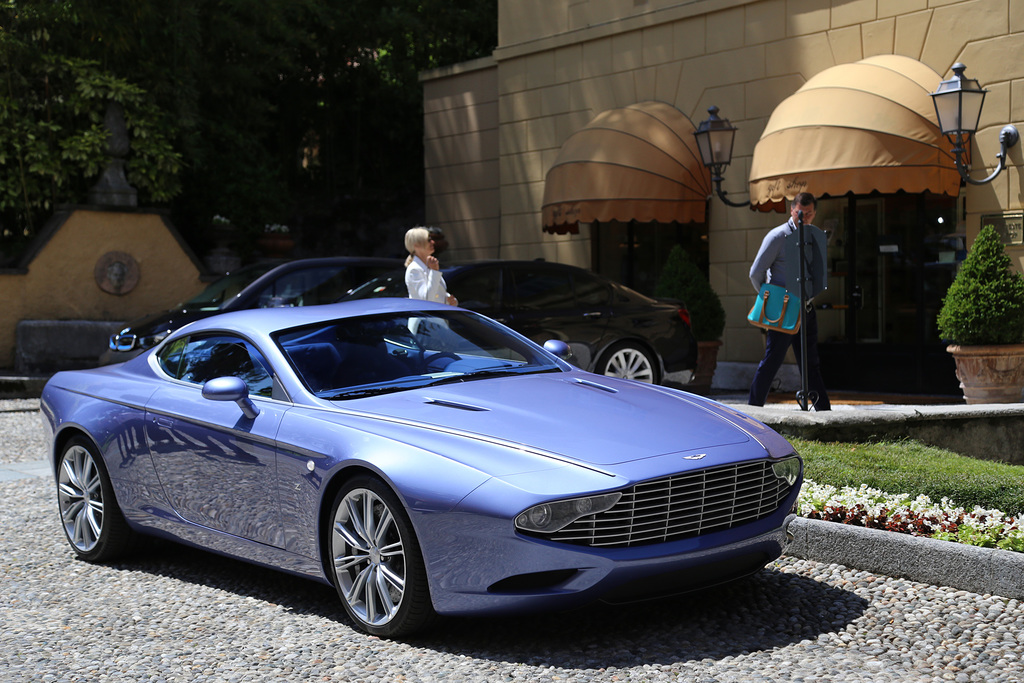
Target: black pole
point(803, 397)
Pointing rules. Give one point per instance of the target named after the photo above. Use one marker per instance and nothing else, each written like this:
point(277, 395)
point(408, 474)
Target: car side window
point(590, 291)
point(538, 289)
point(170, 357)
point(197, 360)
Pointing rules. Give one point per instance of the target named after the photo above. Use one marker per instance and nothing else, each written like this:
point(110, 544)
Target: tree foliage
point(272, 111)
point(52, 139)
point(985, 303)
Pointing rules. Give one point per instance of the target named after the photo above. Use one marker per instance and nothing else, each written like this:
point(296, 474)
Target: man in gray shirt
point(769, 266)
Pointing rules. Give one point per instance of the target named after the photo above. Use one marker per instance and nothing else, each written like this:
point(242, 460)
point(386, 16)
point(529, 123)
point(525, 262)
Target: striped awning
point(638, 163)
point(861, 127)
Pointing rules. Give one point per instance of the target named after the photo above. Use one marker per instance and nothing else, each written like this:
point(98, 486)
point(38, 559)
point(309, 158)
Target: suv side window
point(590, 291)
point(312, 286)
point(538, 289)
point(485, 285)
point(197, 360)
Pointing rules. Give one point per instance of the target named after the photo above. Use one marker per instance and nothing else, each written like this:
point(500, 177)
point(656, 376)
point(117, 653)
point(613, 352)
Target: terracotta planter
point(707, 361)
point(990, 374)
point(275, 244)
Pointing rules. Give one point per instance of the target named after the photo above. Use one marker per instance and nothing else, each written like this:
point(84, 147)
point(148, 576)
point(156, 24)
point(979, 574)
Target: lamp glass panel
point(947, 108)
point(972, 100)
point(721, 145)
point(704, 145)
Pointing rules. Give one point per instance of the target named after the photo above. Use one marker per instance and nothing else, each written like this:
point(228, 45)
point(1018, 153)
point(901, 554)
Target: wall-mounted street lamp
point(714, 140)
point(958, 104)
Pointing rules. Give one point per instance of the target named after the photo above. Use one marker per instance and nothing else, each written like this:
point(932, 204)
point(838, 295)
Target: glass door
point(891, 260)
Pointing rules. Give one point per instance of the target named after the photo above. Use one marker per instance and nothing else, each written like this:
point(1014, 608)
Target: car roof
point(257, 322)
point(541, 263)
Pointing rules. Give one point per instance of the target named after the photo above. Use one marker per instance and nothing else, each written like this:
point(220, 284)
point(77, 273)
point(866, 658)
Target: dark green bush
point(682, 279)
point(985, 303)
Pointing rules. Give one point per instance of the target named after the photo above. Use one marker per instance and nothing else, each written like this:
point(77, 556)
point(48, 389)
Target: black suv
point(304, 282)
point(610, 329)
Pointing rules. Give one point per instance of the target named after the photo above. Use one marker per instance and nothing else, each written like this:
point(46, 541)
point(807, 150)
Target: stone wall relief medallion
point(116, 272)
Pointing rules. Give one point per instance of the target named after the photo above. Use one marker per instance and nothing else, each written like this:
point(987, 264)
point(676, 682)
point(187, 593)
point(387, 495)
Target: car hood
point(589, 419)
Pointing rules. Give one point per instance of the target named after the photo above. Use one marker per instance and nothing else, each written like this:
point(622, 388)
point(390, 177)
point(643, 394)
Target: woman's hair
point(414, 237)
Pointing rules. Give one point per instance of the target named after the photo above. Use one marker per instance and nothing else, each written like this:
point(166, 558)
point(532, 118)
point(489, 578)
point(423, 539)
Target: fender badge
point(698, 456)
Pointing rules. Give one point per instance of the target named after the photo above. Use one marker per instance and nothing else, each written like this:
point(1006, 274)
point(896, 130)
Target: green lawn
point(912, 468)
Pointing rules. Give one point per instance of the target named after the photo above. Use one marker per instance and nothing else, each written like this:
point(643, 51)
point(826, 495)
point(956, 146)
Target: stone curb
point(21, 386)
point(925, 560)
point(988, 431)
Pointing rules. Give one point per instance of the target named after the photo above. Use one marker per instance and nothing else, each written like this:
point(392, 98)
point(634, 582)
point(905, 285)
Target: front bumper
point(483, 570)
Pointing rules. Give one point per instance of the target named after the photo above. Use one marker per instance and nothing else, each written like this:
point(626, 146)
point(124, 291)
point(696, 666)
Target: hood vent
point(595, 385)
point(453, 404)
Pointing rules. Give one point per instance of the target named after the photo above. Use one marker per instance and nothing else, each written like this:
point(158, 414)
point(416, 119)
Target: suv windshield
point(226, 288)
point(357, 357)
point(388, 285)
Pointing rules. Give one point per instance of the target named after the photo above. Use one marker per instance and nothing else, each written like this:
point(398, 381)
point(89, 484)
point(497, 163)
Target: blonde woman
point(422, 271)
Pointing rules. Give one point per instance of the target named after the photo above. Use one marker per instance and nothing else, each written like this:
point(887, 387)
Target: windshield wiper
point(487, 374)
point(364, 392)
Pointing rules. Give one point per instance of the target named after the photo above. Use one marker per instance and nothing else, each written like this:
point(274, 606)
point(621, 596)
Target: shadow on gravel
point(768, 610)
point(203, 568)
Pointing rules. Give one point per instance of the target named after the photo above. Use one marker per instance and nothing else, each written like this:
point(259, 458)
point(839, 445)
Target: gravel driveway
point(174, 614)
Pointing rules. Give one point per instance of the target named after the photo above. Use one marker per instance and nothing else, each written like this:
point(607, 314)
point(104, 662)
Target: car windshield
point(358, 357)
point(226, 288)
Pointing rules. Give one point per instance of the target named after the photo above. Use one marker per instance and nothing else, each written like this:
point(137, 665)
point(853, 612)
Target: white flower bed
point(920, 516)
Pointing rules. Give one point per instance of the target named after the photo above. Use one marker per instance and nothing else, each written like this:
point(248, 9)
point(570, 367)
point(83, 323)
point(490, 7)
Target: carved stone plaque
point(116, 272)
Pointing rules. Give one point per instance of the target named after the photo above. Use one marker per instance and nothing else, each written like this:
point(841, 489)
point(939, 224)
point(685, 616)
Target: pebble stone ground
point(174, 614)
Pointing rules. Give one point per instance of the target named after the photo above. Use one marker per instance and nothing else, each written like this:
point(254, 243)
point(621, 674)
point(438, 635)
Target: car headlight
point(547, 518)
point(122, 341)
point(787, 470)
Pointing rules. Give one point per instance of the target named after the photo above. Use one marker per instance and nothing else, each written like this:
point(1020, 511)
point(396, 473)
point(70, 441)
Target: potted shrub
point(682, 279)
point(983, 316)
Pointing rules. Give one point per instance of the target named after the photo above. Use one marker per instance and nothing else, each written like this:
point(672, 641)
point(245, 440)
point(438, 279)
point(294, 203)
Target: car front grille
point(682, 506)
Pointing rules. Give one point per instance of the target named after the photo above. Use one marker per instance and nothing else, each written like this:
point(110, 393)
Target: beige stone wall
point(60, 283)
point(461, 169)
point(562, 62)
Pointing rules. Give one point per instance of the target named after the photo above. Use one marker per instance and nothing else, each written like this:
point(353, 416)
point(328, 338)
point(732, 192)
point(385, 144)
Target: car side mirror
point(231, 389)
point(558, 348)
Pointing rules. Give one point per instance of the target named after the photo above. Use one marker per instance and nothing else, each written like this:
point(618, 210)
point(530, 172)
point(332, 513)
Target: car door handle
point(163, 421)
point(593, 314)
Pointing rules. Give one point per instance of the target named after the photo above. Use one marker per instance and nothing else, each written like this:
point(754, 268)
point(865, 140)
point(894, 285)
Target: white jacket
point(425, 283)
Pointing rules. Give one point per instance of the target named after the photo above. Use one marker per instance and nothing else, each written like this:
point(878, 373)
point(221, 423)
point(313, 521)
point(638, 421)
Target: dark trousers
point(775, 354)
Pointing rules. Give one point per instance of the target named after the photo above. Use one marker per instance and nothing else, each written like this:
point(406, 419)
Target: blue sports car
point(423, 459)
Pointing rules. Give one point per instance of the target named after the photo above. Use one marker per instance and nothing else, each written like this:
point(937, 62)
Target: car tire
point(629, 361)
point(91, 518)
point(375, 560)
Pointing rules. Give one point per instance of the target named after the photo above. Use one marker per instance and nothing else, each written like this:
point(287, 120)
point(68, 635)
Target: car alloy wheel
point(629, 362)
point(92, 520)
point(376, 561)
